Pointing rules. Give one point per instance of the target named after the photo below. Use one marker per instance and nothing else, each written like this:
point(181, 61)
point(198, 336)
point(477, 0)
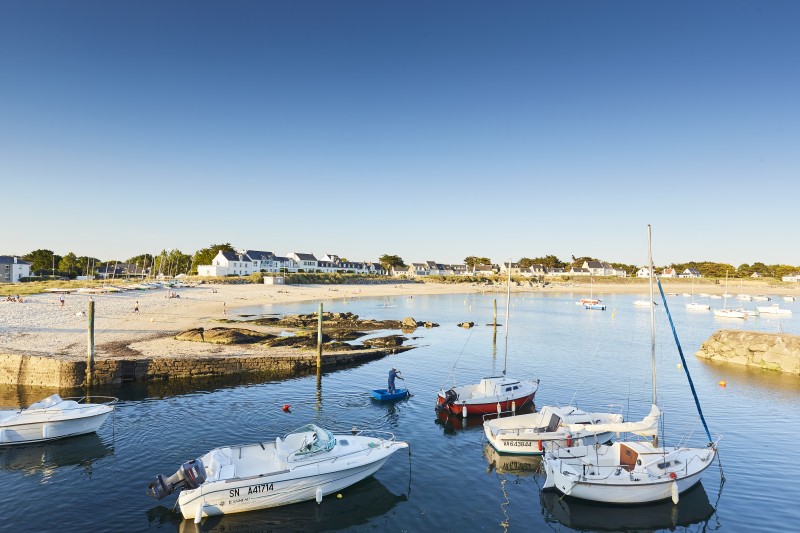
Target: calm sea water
point(451, 482)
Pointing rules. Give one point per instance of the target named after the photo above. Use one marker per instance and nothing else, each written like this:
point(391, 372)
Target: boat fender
point(513, 406)
point(319, 495)
point(198, 516)
point(675, 493)
point(498, 408)
point(540, 445)
point(464, 410)
point(569, 440)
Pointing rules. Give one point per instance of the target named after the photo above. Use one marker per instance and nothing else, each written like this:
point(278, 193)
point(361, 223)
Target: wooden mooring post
point(90, 347)
point(319, 339)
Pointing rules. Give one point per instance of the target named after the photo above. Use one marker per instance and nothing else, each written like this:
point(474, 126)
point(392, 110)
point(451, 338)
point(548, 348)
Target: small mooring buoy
point(723, 383)
point(287, 408)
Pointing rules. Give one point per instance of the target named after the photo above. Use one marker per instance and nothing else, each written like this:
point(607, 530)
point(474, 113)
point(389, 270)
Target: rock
point(223, 336)
point(384, 342)
point(408, 322)
point(771, 351)
point(431, 325)
point(466, 325)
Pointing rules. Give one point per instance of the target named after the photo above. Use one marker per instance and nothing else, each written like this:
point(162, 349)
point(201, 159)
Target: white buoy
point(464, 410)
point(675, 493)
point(319, 495)
point(198, 516)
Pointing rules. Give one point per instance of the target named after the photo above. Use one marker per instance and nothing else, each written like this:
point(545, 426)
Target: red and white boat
point(492, 394)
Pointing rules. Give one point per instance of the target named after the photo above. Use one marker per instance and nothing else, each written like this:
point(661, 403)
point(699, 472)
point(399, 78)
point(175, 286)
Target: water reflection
point(46, 458)
point(518, 465)
point(582, 515)
point(359, 504)
point(452, 423)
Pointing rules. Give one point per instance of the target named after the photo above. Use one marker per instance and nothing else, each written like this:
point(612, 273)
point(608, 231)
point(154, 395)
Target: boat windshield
point(311, 439)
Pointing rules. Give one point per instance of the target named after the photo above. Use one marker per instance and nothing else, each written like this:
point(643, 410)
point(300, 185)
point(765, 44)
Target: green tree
point(549, 261)
point(388, 261)
point(42, 261)
point(473, 261)
point(204, 256)
point(69, 264)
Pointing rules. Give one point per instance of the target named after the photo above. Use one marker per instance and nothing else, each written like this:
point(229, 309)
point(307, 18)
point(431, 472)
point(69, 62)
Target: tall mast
point(508, 305)
point(652, 313)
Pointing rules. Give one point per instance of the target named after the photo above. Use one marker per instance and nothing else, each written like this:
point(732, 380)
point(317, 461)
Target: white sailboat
point(725, 312)
point(530, 434)
point(628, 472)
point(491, 394)
point(307, 463)
point(696, 306)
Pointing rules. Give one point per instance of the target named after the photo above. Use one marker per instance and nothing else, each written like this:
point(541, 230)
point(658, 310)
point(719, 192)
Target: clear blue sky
point(430, 130)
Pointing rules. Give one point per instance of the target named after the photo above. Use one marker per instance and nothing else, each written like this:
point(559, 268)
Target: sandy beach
point(40, 325)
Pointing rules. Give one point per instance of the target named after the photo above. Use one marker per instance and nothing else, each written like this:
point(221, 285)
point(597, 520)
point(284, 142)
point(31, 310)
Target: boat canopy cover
point(50, 401)
point(647, 427)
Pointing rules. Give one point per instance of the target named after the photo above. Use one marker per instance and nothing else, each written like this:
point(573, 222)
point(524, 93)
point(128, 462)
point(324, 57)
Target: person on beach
point(62, 300)
point(136, 307)
point(393, 373)
point(223, 309)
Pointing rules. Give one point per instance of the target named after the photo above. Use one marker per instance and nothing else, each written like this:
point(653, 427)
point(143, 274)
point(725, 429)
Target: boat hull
point(23, 432)
point(484, 407)
point(383, 395)
point(536, 446)
point(617, 485)
point(284, 488)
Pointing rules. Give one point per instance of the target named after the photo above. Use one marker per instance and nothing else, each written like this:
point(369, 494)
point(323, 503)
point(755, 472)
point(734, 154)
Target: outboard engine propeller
point(190, 475)
point(450, 397)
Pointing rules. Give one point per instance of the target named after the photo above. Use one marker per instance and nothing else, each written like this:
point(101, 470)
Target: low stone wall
point(772, 351)
point(65, 373)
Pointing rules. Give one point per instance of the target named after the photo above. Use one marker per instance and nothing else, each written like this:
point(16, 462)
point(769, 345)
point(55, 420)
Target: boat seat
point(227, 472)
point(218, 464)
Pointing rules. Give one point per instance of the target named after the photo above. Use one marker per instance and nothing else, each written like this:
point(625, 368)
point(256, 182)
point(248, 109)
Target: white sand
point(40, 325)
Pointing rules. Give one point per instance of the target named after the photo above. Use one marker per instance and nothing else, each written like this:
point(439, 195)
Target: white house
point(792, 278)
point(12, 268)
point(579, 271)
point(556, 271)
point(690, 273)
point(305, 262)
point(228, 264)
point(669, 273)
point(515, 268)
point(643, 272)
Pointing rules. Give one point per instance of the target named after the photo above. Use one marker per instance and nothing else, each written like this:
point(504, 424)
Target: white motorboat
point(716, 297)
point(630, 471)
point(307, 463)
point(773, 309)
point(53, 418)
point(530, 434)
point(788, 298)
point(642, 303)
point(761, 298)
point(730, 313)
point(744, 297)
point(697, 306)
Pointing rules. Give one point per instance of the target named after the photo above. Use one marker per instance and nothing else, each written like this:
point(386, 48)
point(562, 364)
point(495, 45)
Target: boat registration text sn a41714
point(253, 489)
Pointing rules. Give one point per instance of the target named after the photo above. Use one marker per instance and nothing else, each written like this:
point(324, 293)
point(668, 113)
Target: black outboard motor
point(450, 398)
point(190, 475)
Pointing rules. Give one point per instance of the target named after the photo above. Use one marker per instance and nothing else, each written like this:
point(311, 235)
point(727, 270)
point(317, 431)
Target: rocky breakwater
point(771, 351)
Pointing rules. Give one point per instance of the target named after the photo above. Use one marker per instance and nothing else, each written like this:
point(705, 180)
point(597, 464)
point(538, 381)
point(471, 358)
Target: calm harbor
point(452, 481)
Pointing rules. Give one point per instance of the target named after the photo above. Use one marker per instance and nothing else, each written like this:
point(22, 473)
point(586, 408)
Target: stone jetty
point(771, 351)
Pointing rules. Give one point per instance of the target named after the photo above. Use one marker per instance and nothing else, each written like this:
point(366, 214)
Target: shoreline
point(41, 326)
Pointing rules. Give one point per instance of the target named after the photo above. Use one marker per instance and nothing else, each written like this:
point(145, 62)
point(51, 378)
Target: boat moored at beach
point(773, 309)
point(53, 418)
point(307, 463)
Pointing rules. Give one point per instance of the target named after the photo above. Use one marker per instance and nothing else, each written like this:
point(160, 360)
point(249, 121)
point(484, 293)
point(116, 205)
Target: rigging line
point(453, 370)
point(683, 361)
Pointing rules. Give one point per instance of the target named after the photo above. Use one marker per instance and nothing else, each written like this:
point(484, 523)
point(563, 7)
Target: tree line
point(171, 262)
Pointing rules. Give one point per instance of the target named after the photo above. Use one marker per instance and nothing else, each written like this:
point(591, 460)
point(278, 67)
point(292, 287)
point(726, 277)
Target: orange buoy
point(540, 445)
point(723, 383)
point(569, 440)
point(286, 408)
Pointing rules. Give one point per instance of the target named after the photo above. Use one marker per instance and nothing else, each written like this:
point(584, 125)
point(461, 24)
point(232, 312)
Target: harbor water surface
point(452, 481)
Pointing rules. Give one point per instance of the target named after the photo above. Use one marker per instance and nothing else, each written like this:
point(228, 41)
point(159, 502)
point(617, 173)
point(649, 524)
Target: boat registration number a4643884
point(253, 489)
point(518, 443)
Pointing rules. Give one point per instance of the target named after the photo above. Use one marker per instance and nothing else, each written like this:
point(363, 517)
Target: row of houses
point(670, 272)
point(432, 268)
point(246, 262)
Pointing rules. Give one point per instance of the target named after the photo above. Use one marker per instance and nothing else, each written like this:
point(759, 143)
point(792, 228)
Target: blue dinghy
point(384, 396)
